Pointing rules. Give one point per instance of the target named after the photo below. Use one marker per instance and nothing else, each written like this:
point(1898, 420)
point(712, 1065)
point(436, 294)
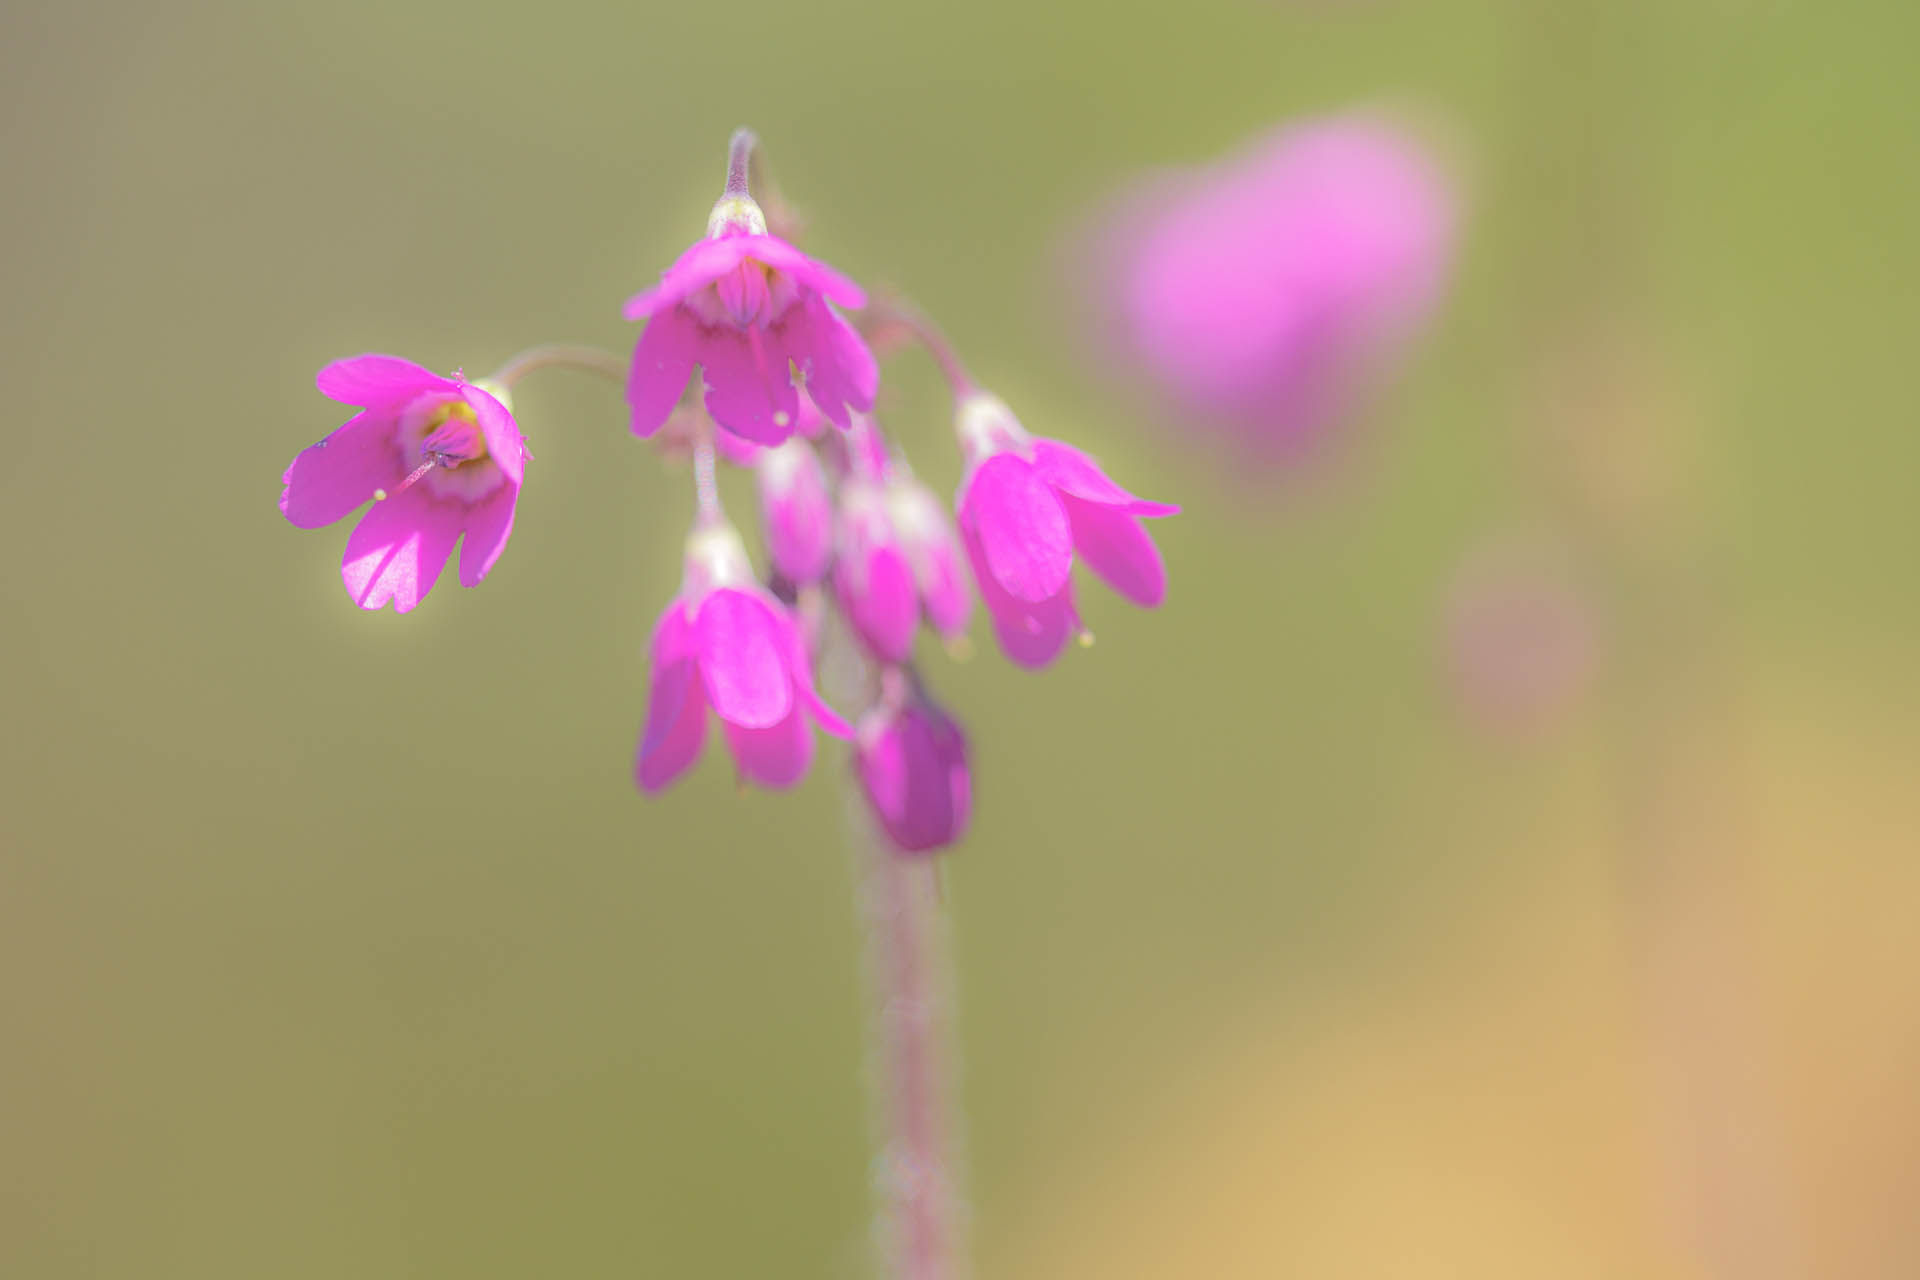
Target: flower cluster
point(857, 549)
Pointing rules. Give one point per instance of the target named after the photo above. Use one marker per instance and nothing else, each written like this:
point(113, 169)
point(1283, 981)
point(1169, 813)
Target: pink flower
point(911, 759)
point(872, 576)
point(932, 547)
point(1264, 296)
point(1027, 507)
point(796, 510)
point(747, 306)
point(438, 457)
point(727, 644)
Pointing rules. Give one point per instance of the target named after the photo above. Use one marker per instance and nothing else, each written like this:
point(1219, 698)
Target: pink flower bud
point(912, 763)
point(872, 576)
point(796, 510)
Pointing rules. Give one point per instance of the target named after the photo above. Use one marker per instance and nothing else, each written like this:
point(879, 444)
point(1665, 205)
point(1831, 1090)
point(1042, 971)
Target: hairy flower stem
point(706, 491)
point(742, 149)
point(896, 315)
point(919, 1232)
point(560, 355)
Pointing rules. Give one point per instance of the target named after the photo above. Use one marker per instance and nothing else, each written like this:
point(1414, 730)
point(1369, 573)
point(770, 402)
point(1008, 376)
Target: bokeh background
point(341, 944)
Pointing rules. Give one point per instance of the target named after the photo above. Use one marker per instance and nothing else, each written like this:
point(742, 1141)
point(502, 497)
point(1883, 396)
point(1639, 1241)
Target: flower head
point(911, 759)
point(750, 309)
point(1263, 296)
point(1027, 507)
point(438, 457)
point(727, 644)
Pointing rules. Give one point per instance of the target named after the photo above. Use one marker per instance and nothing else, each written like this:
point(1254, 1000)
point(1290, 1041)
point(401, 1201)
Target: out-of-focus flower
point(438, 457)
point(933, 551)
point(749, 308)
point(1521, 639)
point(727, 644)
point(1264, 295)
point(1026, 508)
point(872, 576)
point(796, 510)
point(911, 759)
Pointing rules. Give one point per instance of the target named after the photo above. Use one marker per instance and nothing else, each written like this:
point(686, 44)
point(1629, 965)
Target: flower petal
point(914, 771)
point(1072, 472)
point(1021, 529)
point(704, 262)
point(839, 369)
point(749, 383)
point(505, 445)
point(397, 550)
point(801, 668)
point(1117, 547)
point(676, 726)
point(744, 648)
point(489, 525)
point(777, 756)
point(371, 380)
point(334, 477)
point(943, 588)
point(662, 361)
point(809, 273)
point(796, 510)
point(1032, 635)
point(877, 592)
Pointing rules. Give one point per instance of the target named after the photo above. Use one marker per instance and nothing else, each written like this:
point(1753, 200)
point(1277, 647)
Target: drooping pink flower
point(750, 309)
point(796, 510)
point(728, 645)
point(872, 576)
point(1265, 295)
point(911, 759)
point(933, 551)
point(1027, 507)
point(438, 458)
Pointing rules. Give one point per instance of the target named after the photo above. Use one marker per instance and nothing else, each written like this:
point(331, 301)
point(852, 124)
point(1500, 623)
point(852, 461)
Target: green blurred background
point(340, 944)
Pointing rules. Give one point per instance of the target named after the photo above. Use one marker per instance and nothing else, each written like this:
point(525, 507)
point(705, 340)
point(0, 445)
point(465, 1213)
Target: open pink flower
point(1027, 507)
point(911, 759)
point(438, 457)
point(1265, 295)
point(726, 644)
point(750, 309)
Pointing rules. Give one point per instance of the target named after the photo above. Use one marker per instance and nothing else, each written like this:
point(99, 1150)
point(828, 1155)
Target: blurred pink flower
point(872, 576)
point(438, 457)
point(1261, 296)
point(748, 308)
point(796, 510)
point(932, 547)
point(1026, 507)
point(727, 644)
point(911, 759)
